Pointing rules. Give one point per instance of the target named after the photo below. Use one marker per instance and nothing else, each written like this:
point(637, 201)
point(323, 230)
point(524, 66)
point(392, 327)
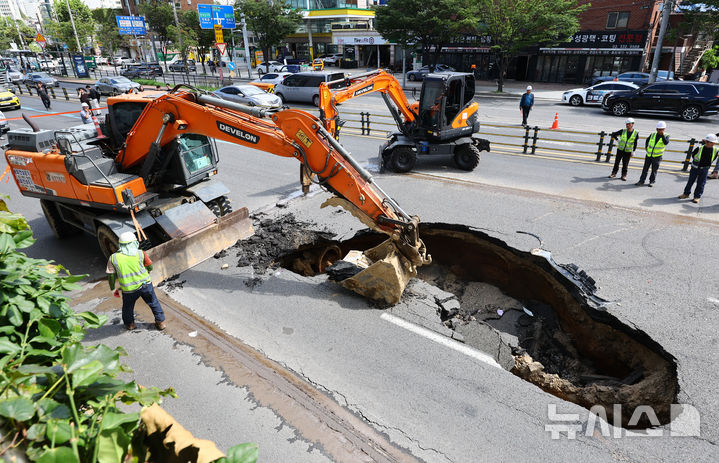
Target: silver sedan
point(249, 95)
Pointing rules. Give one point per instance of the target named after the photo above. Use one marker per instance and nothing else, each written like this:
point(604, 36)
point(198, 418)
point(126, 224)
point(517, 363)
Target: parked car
point(639, 78)
point(14, 74)
point(102, 60)
point(4, 124)
point(419, 74)
point(154, 68)
point(115, 85)
point(182, 66)
point(35, 77)
point(689, 100)
point(249, 95)
point(142, 70)
point(8, 99)
point(331, 59)
point(303, 87)
point(274, 66)
point(273, 78)
point(578, 96)
point(116, 60)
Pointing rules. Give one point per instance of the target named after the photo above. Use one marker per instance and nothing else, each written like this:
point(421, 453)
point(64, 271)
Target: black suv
point(690, 100)
point(142, 70)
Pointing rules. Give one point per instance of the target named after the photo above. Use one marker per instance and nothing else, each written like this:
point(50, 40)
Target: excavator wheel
point(466, 156)
point(108, 240)
point(402, 159)
point(59, 227)
point(225, 205)
point(214, 206)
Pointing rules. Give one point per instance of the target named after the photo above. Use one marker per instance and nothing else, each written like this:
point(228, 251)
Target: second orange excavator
point(149, 169)
point(443, 122)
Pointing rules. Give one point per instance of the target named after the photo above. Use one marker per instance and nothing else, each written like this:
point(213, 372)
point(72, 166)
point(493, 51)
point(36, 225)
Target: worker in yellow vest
point(626, 145)
point(655, 145)
point(702, 159)
point(131, 267)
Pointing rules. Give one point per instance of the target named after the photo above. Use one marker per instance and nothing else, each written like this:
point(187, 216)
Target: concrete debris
point(224, 266)
point(342, 270)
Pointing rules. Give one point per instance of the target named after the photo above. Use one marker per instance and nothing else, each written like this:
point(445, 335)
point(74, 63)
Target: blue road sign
point(224, 15)
point(131, 25)
point(231, 66)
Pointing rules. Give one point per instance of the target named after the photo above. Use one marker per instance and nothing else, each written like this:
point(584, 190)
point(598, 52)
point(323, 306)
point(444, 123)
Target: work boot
point(714, 175)
point(683, 196)
point(624, 178)
point(130, 327)
point(695, 200)
point(612, 175)
point(160, 326)
point(651, 185)
point(639, 184)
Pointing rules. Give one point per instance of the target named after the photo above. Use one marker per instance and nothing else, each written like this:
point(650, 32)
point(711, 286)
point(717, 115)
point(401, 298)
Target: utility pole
point(72, 21)
point(247, 47)
point(142, 52)
point(666, 11)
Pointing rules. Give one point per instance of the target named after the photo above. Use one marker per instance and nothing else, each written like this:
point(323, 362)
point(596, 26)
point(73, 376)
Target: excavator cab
point(444, 107)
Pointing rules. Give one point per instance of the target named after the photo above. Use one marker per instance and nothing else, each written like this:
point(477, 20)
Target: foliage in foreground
point(59, 399)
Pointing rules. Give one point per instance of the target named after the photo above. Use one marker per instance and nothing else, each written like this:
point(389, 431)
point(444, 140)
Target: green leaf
point(51, 409)
point(58, 455)
point(24, 239)
point(17, 408)
point(8, 347)
point(34, 369)
point(48, 327)
point(242, 453)
point(113, 420)
point(7, 244)
point(58, 431)
point(93, 320)
point(43, 303)
point(36, 431)
point(13, 315)
point(75, 356)
point(74, 278)
point(86, 374)
point(112, 445)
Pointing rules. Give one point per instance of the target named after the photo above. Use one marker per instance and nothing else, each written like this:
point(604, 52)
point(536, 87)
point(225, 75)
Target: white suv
point(332, 59)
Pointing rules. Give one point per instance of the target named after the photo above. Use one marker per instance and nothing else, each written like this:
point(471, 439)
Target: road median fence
point(531, 140)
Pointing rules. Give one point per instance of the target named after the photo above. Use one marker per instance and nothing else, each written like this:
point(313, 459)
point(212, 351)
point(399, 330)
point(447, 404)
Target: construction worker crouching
point(626, 146)
point(702, 159)
point(130, 267)
point(655, 145)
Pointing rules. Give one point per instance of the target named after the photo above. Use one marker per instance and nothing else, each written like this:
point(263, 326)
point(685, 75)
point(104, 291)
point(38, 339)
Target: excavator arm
point(380, 81)
point(298, 134)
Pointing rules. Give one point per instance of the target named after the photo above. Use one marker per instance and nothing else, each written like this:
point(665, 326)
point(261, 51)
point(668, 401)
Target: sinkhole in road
point(541, 320)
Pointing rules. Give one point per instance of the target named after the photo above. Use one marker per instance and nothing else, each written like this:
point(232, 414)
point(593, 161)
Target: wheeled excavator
point(443, 121)
point(149, 169)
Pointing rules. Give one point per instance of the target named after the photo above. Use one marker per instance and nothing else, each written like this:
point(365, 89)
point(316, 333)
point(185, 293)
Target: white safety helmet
point(529, 87)
point(661, 125)
point(127, 237)
point(85, 105)
point(711, 138)
point(629, 121)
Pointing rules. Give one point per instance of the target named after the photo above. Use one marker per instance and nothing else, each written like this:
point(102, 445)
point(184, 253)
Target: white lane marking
point(438, 338)
point(48, 112)
point(713, 300)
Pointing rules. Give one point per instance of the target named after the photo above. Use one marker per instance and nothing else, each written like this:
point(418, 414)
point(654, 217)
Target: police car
point(594, 94)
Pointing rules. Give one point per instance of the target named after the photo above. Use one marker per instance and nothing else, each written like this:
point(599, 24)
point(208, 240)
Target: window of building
point(617, 20)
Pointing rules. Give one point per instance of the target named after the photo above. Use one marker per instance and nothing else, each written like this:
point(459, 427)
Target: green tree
point(205, 37)
point(84, 23)
point(158, 16)
point(703, 15)
point(8, 33)
point(710, 58)
point(184, 37)
point(431, 24)
point(271, 22)
point(107, 31)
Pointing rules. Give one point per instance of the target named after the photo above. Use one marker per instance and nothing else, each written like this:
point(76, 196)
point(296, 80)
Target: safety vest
point(627, 144)
point(655, 148)
point(131, 271)
point(698, 156)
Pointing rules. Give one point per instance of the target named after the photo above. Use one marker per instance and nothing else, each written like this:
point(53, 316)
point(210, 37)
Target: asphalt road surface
point(651, 255)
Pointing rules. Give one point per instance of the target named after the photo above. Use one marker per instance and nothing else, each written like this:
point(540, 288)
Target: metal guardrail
point(531, 139)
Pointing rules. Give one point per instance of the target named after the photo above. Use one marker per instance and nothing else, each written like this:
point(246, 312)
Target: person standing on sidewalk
point(655, 145)
point(715, 173)
point(626, 145)
point(525, 104)
point(131, 267)
point(702, 159)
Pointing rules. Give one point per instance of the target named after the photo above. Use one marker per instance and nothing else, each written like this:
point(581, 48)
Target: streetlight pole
point(247, 47)
point(666, 11)
point(72, 21)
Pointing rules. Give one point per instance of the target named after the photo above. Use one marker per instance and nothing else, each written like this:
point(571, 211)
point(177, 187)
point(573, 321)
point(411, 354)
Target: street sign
point(221, 46)
point(131, 25)
point(211, 15)
point(40, 40)
point(231, 66)
point(219, 38)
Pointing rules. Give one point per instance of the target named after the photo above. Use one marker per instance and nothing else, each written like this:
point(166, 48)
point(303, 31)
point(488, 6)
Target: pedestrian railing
point(587, 145)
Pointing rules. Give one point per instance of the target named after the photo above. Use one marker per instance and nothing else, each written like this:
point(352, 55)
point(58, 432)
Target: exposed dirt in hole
point(547, 315)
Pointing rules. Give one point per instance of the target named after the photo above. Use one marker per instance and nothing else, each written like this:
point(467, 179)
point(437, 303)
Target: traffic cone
point(555, 124)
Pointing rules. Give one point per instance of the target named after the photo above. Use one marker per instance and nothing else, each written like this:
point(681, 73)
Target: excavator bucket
point(179, 254)
point(384, 273)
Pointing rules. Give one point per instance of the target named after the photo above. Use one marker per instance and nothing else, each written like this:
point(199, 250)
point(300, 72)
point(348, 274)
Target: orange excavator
point(443, 121)
point(150, 171)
